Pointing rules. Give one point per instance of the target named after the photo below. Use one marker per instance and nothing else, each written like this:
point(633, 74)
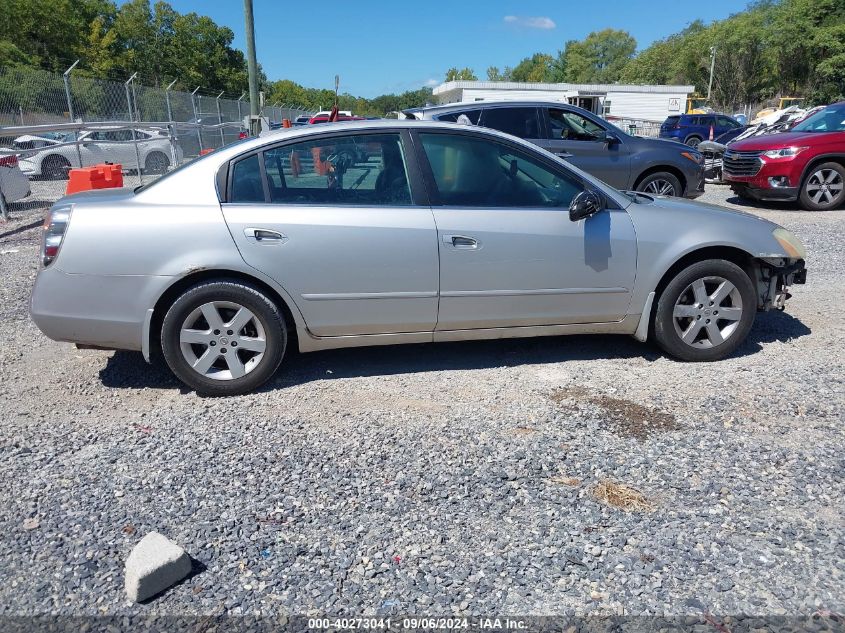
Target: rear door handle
point(564, 154)
point(265, 236)
point(461, 242)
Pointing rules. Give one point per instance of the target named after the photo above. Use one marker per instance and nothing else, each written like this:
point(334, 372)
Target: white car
point(53, 157)
point(13, 184)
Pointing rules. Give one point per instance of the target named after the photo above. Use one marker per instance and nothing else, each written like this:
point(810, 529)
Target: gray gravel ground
point(438, 479)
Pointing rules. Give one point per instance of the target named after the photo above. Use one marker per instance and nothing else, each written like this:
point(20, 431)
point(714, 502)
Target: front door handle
point(265, 236)
point(564, 154)
point(461, 242)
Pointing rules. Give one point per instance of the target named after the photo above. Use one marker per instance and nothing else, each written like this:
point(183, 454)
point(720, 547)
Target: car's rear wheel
point(156, 163)
point(824, 187)
point(661, 183)
point(55, 168)
point(223, 338)
point(693, 141)
point(706, 311)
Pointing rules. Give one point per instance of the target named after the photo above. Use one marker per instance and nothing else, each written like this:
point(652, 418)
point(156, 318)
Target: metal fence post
point(240, 116)
point(196, 118)
point(171, 123)
point(220, 118)
point(132, 127)
point(66, 78)
point(4, 210)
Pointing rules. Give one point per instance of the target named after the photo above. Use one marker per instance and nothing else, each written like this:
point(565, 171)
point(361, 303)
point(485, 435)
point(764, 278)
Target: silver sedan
point(380, 232)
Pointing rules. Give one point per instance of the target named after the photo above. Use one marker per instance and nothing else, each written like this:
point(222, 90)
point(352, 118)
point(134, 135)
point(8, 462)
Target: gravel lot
point(439, 479)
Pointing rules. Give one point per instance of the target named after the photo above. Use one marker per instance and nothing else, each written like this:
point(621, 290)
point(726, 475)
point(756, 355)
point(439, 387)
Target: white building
point(613, 101)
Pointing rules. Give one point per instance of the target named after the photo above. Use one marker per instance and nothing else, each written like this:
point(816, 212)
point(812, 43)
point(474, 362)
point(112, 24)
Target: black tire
point(239, 294)
point(812, 188)
point(669, 334)
point(156, 163)
point(693, 141)
point(55, 167)
point(661, 183)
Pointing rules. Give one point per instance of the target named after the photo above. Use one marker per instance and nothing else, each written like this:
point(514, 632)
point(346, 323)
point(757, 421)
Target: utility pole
point(252, 66)
point(712, 65)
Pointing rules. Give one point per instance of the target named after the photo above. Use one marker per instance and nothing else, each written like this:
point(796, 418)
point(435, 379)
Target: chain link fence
point(53, 122)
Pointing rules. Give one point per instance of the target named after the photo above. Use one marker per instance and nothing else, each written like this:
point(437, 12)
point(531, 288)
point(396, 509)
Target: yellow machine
point(785, 102)
point(696, 104)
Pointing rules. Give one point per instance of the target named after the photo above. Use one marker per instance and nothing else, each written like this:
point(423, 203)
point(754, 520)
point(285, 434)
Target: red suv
point(806, 164)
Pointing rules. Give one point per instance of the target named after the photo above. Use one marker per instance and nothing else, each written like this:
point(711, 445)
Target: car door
point(337, 220)
point(584, 142)
point(509, 254)
point(725, 124)
point(90, 150)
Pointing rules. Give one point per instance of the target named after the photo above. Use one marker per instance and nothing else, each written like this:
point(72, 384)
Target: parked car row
point(799, 159)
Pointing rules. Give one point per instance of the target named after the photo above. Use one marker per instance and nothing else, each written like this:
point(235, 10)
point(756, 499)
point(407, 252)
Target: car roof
point(465, 105)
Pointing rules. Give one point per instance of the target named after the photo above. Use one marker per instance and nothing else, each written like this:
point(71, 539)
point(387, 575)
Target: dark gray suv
point(623, 161)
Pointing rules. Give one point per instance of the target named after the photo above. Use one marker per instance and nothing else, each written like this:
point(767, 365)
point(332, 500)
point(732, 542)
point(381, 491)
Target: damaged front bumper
point(774, 278)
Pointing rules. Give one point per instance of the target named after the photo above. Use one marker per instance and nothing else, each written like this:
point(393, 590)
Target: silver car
point(383, 232)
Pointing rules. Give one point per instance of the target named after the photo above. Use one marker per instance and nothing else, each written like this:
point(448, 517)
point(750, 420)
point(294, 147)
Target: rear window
point(521, 122)
point(672, 120)
point(452, 117)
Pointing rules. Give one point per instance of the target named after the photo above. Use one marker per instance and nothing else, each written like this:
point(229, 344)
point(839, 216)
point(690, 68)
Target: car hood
point(662, 143)
point(701, 211)
point(781, 140)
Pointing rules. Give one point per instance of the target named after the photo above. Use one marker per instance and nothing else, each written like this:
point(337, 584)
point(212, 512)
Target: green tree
point(465, 74)
point(494, 74)
point(537, 68)
point(599, 58)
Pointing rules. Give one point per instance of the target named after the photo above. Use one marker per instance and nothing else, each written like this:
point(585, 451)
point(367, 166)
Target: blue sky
point(380, 47)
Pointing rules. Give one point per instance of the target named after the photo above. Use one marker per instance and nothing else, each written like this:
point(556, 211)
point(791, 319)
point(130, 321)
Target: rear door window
point(521, 122)
point(365, 169)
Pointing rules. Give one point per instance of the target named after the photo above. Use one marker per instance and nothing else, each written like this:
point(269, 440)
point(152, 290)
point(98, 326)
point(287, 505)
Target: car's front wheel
point(55, 168)
point(223, 338)
point(824, 187)
point(706, 311)
point(156, 163)
point(661, 183)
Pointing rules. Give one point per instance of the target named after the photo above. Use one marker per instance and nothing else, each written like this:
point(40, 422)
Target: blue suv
point(694, 128)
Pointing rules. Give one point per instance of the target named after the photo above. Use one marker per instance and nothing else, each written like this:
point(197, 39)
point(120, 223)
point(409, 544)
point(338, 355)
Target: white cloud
point(531, 22)
point(431, 82)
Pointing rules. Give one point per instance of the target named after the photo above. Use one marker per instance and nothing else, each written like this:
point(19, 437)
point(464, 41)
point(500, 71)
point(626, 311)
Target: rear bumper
point(105, 311)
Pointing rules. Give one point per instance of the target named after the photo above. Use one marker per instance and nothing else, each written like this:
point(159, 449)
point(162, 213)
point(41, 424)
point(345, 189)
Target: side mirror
point(610, 139)
point(584, 205)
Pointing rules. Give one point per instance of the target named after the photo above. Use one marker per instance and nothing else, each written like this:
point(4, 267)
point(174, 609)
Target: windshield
point(830, 119)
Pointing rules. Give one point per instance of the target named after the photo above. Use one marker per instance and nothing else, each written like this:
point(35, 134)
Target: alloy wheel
point(824, 186)
point(660, 187)
point(222, 340)
point(707, 312)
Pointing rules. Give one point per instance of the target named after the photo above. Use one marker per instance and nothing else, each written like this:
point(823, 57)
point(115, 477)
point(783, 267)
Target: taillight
point(9, 161)
point(55, 225)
